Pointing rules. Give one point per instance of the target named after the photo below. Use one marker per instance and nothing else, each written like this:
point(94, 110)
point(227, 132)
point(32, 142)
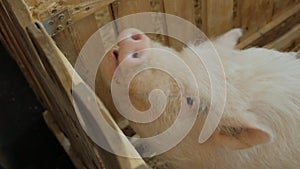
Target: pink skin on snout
point(132, 43)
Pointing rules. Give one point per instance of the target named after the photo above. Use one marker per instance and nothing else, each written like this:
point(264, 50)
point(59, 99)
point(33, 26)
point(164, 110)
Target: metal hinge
point(57, 22)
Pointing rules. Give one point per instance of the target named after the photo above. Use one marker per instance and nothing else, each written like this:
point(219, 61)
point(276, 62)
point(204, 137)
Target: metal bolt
point(53, 10)
point(61, 17)
point(59, 27)
point(50, 22)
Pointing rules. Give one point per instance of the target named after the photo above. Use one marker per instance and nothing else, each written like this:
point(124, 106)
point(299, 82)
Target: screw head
point(59, 27)
point(61, 17)
point(50, 22)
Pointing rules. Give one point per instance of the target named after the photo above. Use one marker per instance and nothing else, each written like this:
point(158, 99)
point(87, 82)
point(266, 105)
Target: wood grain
point(217, 16)
point(288, 41)
point(273, 29)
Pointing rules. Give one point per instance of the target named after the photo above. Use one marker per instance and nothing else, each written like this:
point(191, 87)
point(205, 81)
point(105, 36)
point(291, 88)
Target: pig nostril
point(116, 54)
point(136, 37)
point(135, 55)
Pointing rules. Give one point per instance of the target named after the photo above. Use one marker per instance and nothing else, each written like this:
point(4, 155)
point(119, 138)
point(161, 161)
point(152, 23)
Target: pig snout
point(132, 43)
point(132, 46)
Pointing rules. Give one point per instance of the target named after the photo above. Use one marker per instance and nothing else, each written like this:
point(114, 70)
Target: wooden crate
point(46, 61)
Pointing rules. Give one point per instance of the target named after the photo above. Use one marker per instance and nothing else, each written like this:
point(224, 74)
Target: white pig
point(259, 128)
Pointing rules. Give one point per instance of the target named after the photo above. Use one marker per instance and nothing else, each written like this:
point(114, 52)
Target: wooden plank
point(283, 5)
point(78, 9)
point(217, 16)
point(32, 2)
point(61, 70)
point(82, 97)
point(58, 100)
point(122, 8)
point(61, 105)
point(125, 7)
point(86, 8)
point(14, 38)
point(63, 140)
point(297, 49)
point(103, 16)
point(273, 29)
point(288, 41)
point(183, 9)
point(29, 59)
point(18, 14)
point(71, 40)
point(198, 13)
point(252, 16)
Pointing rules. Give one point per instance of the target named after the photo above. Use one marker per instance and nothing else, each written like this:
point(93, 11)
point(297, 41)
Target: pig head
point(261, 120)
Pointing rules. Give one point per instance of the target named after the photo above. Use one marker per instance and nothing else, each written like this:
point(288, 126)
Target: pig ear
point(230, 38)
point(242, 132)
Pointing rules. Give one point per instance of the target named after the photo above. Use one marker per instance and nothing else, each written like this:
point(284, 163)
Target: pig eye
point(116, 54)
point(136, 37)
point(135, 55)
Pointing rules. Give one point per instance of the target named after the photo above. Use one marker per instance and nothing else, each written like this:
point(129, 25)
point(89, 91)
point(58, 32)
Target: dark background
point(25, 140)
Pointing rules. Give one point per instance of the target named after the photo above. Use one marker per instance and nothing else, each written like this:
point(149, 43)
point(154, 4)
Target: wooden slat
point(125, 7)
point(122, 8)
point(198, 13)
point(86, 8)
point(61, 70)
point(61, 107)
point(60, 104)
point(71, 40)
point(31, 2)
point(297, 49)
point(251, 16)
point(282, 5)
point(217, 16)
point(63, 140)
point(84, 24)
point(183, 9)
point(27, 57)
point(54, 97)
point(13, 33)
point(77, 34)
point(288, 41)
point(273, 29)
point(78, 9)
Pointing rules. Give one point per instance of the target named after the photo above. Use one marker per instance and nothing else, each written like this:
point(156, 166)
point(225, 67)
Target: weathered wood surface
point(287, 42)
point(82, 12)
point(63, 140)
point(13, 15)
point(217, 16)
point(78, 9)
point(251, 16)
point(183, 9)
point(52, 72)
point(277, 27)
point(61, 70)
point(72, 39)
